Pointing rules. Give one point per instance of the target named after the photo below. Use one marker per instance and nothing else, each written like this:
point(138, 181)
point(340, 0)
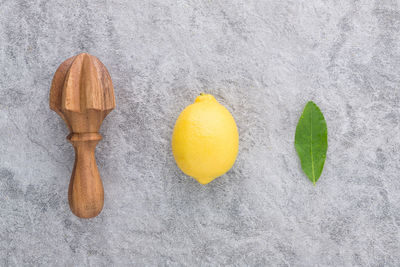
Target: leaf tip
point(311, 103)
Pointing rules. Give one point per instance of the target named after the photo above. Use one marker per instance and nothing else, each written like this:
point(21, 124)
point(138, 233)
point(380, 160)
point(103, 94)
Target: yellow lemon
point(205, 140)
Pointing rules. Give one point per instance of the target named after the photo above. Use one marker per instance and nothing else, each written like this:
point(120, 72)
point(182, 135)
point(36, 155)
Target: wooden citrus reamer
point(82, 94)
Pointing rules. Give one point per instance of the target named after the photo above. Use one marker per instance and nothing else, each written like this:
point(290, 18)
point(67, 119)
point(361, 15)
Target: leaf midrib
point(311, 146)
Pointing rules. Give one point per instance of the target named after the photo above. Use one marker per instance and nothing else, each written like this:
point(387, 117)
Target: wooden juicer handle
point(82, 94)
point(85, 192)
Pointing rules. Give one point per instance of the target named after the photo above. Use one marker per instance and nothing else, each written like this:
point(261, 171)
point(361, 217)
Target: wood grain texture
point(82, 94)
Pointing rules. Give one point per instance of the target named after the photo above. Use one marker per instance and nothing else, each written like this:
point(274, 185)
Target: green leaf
point(311, 141)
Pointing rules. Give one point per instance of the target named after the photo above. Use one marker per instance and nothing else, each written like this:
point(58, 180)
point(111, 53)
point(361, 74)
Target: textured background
point(263, 60)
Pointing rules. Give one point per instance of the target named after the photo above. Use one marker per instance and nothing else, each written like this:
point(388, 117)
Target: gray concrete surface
point(263, 60)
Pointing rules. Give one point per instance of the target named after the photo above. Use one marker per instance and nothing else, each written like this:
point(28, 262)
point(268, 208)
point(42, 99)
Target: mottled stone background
point(263, 60)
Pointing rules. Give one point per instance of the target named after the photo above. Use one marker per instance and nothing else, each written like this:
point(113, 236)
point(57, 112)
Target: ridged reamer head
point(82, 86)
point(80, 83)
